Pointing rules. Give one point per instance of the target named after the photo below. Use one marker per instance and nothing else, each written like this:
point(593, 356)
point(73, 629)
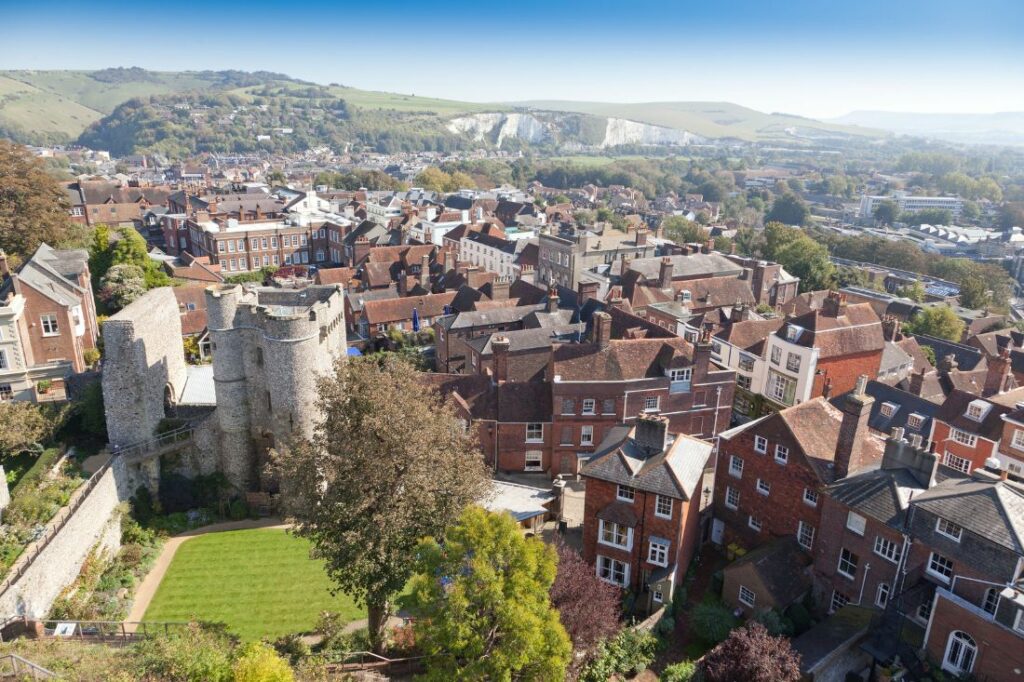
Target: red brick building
point(967, 428)
point(772, 472)
point(643, 504)
point(609, 381)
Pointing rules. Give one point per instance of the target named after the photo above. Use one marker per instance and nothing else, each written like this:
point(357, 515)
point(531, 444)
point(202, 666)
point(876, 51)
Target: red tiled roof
point(400, 309)
point(621, 359)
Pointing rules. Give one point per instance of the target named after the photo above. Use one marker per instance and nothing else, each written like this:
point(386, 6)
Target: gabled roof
point(53, 273)
point(883, 494)
point(953, 411)
point(992, 509)
point(676, 471)
point(399, 309)
point(693, 266)
point(967, 358)
point(857, 330)
point(780, 564)
point(905, 405)
point(750, 335)
point(621, 359)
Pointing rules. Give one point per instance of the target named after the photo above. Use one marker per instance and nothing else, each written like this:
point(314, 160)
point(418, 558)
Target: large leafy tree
point(587, 606)
point(752, 655)
point(789, 209)
point(683, 231)
point(33, 207)
point(801, 255)
point(939, 321)
point(23, 425)
point(121, 285)
point(482, 605)
point(886, 212)
point(389, 463)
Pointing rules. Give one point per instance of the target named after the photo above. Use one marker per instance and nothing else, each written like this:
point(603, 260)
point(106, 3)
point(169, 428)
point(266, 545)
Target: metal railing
point(108, 631)
point(367, 660)
point(148, 448)
point(22, 668)
point(51, 529)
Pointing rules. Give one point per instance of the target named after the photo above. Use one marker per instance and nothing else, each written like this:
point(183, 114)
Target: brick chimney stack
point(641, 236)
point(892, 328)
point(665, 273)
point(500, 347)
point(853, 431)
point(425, 271)
point(913, 455)
point(552, 299)
point(998, 373)
point(651, 432)
point(602, 329)
point(586, 291)
point(834, 304)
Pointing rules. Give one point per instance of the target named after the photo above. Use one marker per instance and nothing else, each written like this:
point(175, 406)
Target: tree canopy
point(752, 655)
point(389, 463)
point(788, 209)
point(886, 212)
point(23, 425)
point(481, 602)
point(801, 255)
point(33, 206)
point(683, 231)
point(939, 321)
point(587, 606)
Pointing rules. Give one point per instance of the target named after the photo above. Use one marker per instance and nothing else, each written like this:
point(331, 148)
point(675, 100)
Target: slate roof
point(675, 472)
point(503, 245)
point(622, 359)
point(953, 411)
point(750, 334)
point(967, 358)
point(527, 339)
point(883, 494)
point(357, 299)
point(906, 405)
point(54, 274)
point(781, 565)
point(992, 509)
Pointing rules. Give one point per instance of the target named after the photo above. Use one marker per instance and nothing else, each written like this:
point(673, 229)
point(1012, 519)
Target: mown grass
point(259, 582)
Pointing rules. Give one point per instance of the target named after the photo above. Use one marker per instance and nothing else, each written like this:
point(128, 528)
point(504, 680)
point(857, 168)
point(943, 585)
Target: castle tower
point(230, 384)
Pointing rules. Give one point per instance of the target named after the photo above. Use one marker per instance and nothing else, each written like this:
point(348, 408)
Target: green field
point(260, 582)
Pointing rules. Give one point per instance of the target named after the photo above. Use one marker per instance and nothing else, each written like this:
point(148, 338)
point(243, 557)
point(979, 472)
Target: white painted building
point(907, 202)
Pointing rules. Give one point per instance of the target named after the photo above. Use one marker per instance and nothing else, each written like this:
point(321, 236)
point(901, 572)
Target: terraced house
point(645, 493)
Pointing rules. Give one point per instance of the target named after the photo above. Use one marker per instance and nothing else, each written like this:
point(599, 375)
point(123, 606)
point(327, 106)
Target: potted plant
point(44, 386)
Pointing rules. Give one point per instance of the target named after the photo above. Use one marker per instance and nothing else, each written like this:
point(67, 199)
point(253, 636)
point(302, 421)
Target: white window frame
point(624, 493)
point(610, 565)
point(652, 403)
point(589, 406)
point(838, 598)
point(850, 561)
point(615, 530)
point(856, 523)
point(882, 595)
point(760, 444)
point(49, 324)
point(887, 549)
point(657, 553)
point(729, 490)
point(659, 503)
point(936, 559)
point(747, 596)
point(914, 420)
point(764, 487)
point(535, 455)
point(957, 463)
point(949, 529)
point(533, 426)
point(781, 454)
point(966, 643)
point(964, 438)
point(658, 596)
point(1017, 442)
point(889, 409)
point(776, 355)
point(810, 497)
point(736, 466)
point(754, 524)
point(802, 529)
point(586, 435)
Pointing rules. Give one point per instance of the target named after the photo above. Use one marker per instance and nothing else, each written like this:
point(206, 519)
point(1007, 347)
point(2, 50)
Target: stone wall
point(143, 361)
point(94, 523)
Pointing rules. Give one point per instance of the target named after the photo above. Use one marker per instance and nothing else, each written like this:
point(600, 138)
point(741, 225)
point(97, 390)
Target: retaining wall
point(94, 522)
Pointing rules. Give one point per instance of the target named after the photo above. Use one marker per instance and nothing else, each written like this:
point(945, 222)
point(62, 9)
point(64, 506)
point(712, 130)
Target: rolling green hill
point(709, 119)
point(59, 106)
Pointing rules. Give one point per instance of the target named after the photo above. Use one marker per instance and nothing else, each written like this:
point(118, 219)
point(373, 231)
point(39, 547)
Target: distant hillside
point(56, 106)
point(712, 119)
point(1005, 128)
point(128, 110)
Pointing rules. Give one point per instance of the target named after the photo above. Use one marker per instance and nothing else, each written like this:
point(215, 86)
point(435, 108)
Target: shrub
point(259, 662)
point(665, 626)
point(774, 622)
point(238, 510)
point(293, 647)
point(192, 654)
point(91, 356)
point(712, 622)
point(628, 654)
point(800, 617)
point(680, 672)
point(177, 494)
point(142, 506)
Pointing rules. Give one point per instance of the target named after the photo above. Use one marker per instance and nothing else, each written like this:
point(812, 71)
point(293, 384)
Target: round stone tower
point(230, 383)
point(291, 339)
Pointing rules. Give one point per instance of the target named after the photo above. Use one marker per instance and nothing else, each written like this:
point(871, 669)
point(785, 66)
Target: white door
point(717, 531)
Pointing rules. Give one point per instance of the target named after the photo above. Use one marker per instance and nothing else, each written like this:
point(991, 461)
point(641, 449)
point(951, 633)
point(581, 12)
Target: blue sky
point(818, 58)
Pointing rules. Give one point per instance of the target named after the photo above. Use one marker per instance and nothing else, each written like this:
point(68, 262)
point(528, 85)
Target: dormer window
point(686, 296)
point(915, 420)
point(889, 409)
point(793, 333)
point(977, 409)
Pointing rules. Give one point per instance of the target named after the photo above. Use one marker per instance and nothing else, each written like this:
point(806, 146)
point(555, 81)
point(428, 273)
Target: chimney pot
point(651, 432)
point(602, 329)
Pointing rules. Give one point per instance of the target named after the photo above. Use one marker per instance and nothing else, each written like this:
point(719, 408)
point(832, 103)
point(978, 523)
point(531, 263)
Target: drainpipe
point(863, 584)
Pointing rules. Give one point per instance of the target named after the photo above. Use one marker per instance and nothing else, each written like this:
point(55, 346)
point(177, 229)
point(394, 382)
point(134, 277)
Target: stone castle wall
point(143, 359)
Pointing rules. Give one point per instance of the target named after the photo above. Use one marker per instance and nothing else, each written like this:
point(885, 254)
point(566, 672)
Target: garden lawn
point(259, 582)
